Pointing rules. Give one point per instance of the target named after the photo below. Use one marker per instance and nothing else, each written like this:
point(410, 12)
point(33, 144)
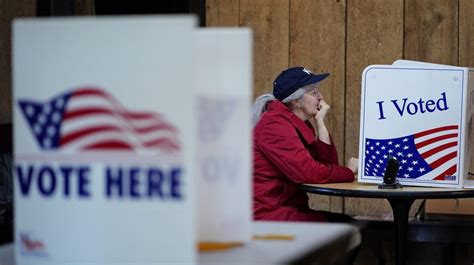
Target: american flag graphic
point(89, 119)
point(29, 244)
point(427, 155)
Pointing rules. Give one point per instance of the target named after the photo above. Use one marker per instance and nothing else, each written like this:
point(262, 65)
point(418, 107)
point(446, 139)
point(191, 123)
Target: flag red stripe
point(443, 159)
point(112, 144)
point(162, 143)
point(140, 115)
point(440, 148)
point(159, 125)
point(449, 172)
point(66, 139)
point(435, 139)
point(435, 130)
point(114, 102)
point(79, 113)
point(156, 127)
point(85, 112)
point(112, 109)
point(90, 91)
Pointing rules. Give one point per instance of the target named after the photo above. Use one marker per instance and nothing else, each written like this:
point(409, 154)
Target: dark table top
point(366, 190)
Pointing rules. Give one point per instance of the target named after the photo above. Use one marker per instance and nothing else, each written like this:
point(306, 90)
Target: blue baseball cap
point(293, 78)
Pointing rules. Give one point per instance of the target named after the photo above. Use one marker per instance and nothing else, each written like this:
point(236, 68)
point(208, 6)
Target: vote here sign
point(419, 114)
point(103, 140)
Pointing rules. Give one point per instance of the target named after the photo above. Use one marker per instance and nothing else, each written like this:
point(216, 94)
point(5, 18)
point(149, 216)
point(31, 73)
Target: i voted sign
point(420, 115)
point(404, 106)
point(103, 140)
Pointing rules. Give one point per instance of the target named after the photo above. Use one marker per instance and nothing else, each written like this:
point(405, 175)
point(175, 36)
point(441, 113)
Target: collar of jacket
point(304, 128)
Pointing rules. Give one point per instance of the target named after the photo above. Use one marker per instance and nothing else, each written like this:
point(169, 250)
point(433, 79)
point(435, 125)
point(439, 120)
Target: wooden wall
point(9, 9)
point(343, 37)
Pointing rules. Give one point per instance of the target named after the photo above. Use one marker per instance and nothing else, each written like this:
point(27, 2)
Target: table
point(400, 200)
point(313, 243)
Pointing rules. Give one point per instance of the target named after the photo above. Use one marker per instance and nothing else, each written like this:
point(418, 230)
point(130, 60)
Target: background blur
point(337, 36)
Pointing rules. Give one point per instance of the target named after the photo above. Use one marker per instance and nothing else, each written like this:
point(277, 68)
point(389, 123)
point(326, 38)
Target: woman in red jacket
point(288, 151)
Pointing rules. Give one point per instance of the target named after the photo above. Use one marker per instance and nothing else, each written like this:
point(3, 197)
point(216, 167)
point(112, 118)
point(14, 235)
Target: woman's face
point(310, 104)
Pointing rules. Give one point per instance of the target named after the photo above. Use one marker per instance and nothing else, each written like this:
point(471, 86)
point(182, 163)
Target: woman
point(288, 151)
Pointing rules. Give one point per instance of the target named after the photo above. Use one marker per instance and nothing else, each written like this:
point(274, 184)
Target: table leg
point(400, 208)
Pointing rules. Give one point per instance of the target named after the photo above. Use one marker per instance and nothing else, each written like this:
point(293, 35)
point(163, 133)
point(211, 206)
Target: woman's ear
point(294, 104)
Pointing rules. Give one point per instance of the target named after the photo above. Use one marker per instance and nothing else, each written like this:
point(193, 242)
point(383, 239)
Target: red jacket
point(286, 154)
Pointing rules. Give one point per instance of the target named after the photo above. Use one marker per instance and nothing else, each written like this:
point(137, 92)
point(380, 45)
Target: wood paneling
point(466, 33)
point(431, 31)
point(374, 36)
point(466, 43)
point(222, 13)
point(269, 20)
point(8, 11)
point(311, 24)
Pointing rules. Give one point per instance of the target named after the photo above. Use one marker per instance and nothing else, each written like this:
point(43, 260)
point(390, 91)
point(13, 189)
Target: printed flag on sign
point(90, 119)
point(431, 151)
point(29, 245)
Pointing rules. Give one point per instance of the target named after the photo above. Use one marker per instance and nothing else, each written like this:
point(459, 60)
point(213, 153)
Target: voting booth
point(103, 140)
point(421, 115)
point(223, 83)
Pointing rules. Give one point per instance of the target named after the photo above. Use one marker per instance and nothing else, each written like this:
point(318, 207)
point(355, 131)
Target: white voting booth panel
point(420, 114)
point(223, 81)
point(103, 140)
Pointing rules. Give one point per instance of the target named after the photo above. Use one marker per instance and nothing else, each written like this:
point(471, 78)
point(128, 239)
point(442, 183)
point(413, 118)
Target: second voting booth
point(421, 115)
point(106, 139)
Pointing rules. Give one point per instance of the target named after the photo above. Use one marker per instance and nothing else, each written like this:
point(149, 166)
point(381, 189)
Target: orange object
point(217, 246)
point(222, 246)
point(273, 237)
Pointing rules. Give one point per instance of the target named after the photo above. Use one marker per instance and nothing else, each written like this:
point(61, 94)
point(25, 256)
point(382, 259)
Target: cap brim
point(316, 78)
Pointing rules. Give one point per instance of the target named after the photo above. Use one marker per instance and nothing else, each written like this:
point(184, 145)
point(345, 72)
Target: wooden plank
point(466, 44)
point(374, 36)
point(269, 20)
point(322, 50)
point(466, 33)
point(431, 31)
point(222, 13)
point(317, 51)
point(8, 11)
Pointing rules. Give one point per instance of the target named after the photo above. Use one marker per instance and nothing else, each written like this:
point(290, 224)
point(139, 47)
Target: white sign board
point(103, 140)
point(223, 81)
point(420, 114)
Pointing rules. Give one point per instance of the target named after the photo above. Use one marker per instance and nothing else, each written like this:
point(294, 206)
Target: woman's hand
point(321, 130)
point(323, 109)
point(353, 164)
